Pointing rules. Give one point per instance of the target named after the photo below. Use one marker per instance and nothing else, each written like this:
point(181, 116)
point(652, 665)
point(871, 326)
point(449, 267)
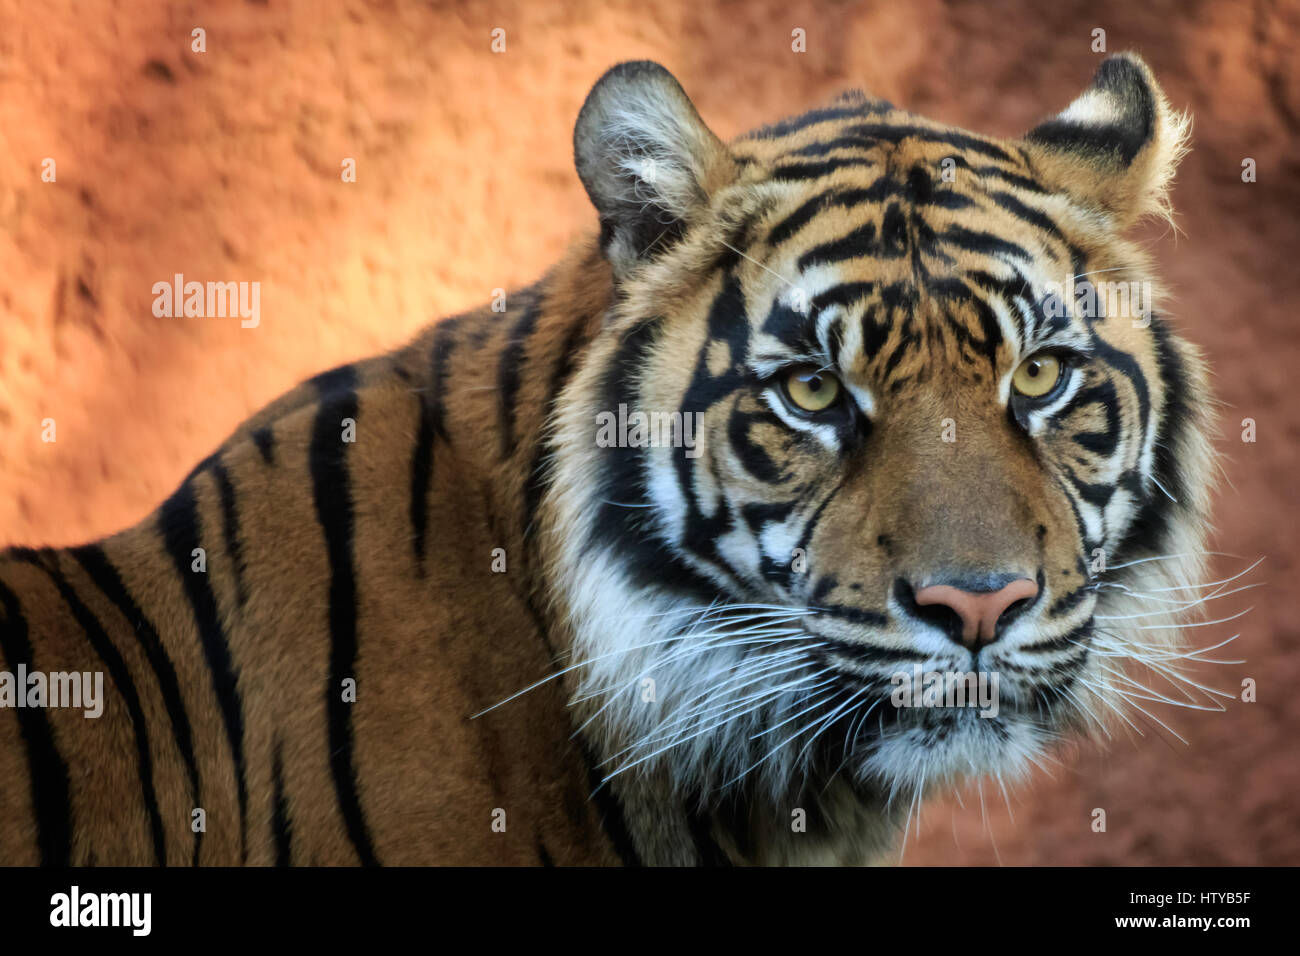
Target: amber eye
point(812, 390)
point(1037, 375)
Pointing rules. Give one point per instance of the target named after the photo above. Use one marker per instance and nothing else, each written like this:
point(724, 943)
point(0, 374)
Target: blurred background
point(225, 165)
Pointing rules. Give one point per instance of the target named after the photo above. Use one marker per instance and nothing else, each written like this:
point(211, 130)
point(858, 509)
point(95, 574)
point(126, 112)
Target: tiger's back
point(295, 642)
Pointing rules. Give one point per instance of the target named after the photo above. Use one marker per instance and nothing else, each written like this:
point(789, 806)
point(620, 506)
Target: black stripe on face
point(178, 523)
point(1027, 214)
point(844, 295)
point(230, 525)
point(281, 826)
point(49, 774)
point(508, 372)
point(860, 242)
point(817, 602)
point(757, 516)
point(1080, 526)
point(1011, 179)
point(431, 425)
point(752, 455)
point(835, 340)
point(982, 243)
point(800, 171)
point(1096, 495)
point(812, 208)
point(955, 291)
point(875, 333)
point(1103, 442)
point(1126, 365)
point(121, 676)
point(868, 135)
point(797, 331)
point(332, 492)
point(797, 123)
point(1151, 527)
point(1068, 602)
point(105, 577)
point(868, 654)
point(882, 189)
point(1080, 637)
point(264, 439)
point(1012, 290)
point(727, 324)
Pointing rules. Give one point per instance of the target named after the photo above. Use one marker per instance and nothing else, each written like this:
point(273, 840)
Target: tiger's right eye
point(1038, 375)
point(811, 390)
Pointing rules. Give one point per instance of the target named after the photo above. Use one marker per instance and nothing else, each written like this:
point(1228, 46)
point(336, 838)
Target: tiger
point(624, 568)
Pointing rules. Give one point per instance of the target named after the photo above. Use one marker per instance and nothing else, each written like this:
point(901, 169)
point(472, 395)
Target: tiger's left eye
point(812, 390)
point(1038, 375)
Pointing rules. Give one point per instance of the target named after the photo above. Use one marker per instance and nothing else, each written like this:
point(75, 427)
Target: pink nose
point(979, 612)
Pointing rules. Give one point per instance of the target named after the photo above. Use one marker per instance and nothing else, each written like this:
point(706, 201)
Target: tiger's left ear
point(1116, 147)
point(647, 160)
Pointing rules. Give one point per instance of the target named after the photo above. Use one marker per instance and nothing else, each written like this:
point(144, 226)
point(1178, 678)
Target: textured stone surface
point(225, 165)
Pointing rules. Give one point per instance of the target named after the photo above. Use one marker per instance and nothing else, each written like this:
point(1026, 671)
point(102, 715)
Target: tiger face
point(883, 415)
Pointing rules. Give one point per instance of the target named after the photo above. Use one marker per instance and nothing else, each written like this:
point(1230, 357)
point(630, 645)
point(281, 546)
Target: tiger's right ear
point(647, 160)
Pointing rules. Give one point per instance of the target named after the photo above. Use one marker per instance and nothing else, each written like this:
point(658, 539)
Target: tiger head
point(875, 398)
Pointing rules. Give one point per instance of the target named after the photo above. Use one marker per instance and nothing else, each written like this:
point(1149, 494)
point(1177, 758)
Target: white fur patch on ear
point(1117, 145)
point(646, 158)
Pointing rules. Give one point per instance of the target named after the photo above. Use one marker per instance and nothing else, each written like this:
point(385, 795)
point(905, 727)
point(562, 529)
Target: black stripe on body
point(332, 492)
point(178, 522)
point(105, 576)
point(610, 810)
point(264, 439)
point(432, 425)
point(281, 826)
point(230, 525)
point(49, 774)
point(509, 369)
point(707, 851)
point(121, 676)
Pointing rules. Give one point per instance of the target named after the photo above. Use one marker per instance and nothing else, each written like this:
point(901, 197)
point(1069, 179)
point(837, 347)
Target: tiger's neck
point(494, 420)
point(602, 589)
point(489, 380)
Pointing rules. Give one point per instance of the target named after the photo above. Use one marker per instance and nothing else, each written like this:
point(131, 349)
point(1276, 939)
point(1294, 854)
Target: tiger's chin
point(916, 757)
point(856, 807)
